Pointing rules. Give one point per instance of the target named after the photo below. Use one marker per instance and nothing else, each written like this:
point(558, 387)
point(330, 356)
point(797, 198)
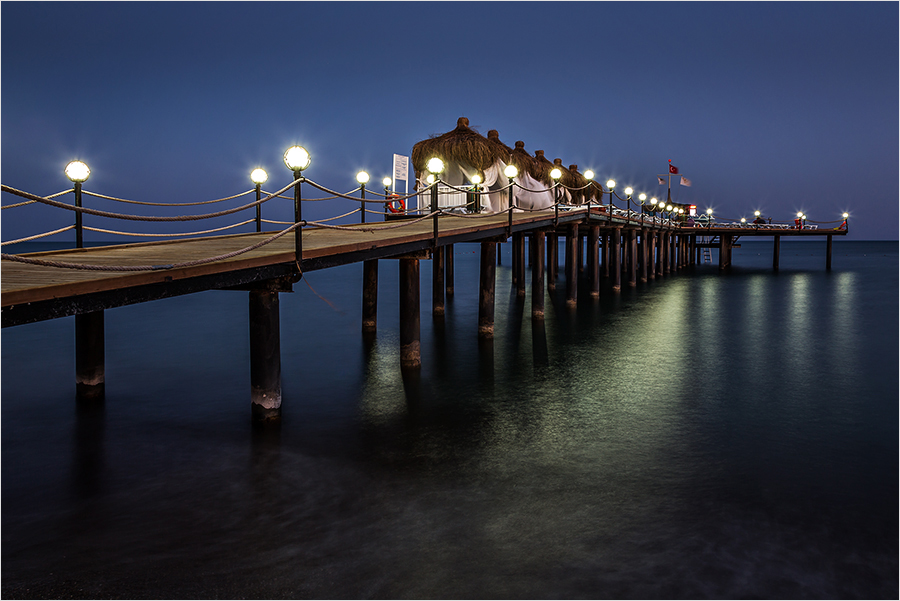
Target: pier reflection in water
point(703, 435)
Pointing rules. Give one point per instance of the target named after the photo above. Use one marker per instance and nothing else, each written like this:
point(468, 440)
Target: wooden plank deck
point(47, 292)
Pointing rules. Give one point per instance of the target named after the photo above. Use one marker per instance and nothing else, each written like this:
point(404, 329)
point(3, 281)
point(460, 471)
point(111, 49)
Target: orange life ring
point(390, 204)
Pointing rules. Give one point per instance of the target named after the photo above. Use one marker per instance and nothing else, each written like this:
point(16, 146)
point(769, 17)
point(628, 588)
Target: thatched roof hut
point(461, 145)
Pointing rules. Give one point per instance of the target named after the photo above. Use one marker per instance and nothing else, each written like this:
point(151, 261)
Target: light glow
point(430, 178)
point(555, 173)
point(362, 177)
point(435, 165)
point(476, 179)
point(511, 171)
point(709, 211)
point(642, 197)
point(77, 171)
point(611, 183)
point(387, 182)
point(588, 174)
point(296, 158)
point(259, 176)
point(629, 191)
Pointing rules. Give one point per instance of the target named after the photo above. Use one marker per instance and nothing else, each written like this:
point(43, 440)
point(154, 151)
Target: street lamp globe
point(709, 211)
point(629, 191)
point(588, 174)
point(78, 171)
point(435, 165)
point(259, 176)
point(362, 177)
point(642, 197)
point(846, 215)
point(511, 171)
point(430, 178)
point(387, 182)
point(296, 158)
point(611, 183)
point(476, 179)
point(555, 173)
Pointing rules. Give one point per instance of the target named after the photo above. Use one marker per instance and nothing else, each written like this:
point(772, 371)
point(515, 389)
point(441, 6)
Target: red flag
point(673, 169)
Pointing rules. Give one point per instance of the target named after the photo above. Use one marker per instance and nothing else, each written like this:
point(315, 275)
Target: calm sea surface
point(701, 435)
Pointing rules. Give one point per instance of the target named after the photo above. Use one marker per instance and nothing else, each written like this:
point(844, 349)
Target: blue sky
point(772, 106)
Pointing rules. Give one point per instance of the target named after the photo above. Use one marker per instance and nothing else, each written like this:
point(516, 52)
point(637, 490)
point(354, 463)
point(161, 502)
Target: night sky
point(778, 107)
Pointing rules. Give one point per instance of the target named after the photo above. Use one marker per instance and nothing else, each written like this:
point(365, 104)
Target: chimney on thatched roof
point(523, 161)
point(494, 138)
point(461, 145)
point(543, 166)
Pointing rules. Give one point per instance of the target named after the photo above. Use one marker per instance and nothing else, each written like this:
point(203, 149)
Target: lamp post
point(611, 185)
point(628, 192)
point(362, 177)
point(78, 172)
point(386, 182)
point(472, 207)
point(709, 218)
point(589, 176)
point(297, 159)
point(258, 177)
point(435, 167)
point(555, 174)
point(846, 223)
point(743, 221)
point(511, 172)
point(758, 216)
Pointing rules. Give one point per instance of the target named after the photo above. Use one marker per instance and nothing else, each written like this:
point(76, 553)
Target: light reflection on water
point(687, 438)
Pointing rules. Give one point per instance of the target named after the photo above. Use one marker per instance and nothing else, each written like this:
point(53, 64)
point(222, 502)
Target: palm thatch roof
point(461, 145)
point(494, 138)
point(581, 182)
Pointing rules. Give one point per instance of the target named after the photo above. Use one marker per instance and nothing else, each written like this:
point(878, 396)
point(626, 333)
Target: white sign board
point(401, 168)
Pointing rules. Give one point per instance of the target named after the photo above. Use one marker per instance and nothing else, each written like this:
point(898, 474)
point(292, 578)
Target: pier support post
point(580, 253)
point(410, 352)
point(616, 259)
point(667, 252)
point(90, 357)
point(572, 265)
point(828, 252)
point(370, 295)
point(724, 251)
point(632, 258)
point(519, 263)
point(437, 283)
point(265, 357)
point(776, 252)
point(448, 268)
point(607, 253)
point(552, 260)
point(594, 259)
point(651, 259)
point(645, 252)
point(486, 290)
point(537, 275)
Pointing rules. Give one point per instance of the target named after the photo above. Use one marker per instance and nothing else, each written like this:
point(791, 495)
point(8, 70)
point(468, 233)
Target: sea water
point(703, 434)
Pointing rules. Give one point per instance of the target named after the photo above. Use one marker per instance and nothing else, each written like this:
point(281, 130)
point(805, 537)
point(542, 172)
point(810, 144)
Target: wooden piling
point(776, 252)
point(594, 259)
point(437, 283)
point(607, 253)
point(410, 352)
point(645, 254)
point(519, 263)
point(537, 275)
point(448, 268)
point(265, 357)
point(90, 357)
point(486, 290)
point(632, 258)
point(828, 252)
point(616, 259)
point(552, 260)
point(370, 296)
point(572, 265)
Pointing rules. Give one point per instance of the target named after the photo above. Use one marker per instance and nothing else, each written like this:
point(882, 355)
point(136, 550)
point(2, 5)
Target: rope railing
point(37, 236)
point(167, 204)
point(171, 235)
point(125, 268)
point(29, 202)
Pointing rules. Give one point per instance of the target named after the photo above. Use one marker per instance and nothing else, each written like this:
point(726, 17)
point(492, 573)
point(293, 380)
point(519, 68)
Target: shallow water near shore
point(699, 435)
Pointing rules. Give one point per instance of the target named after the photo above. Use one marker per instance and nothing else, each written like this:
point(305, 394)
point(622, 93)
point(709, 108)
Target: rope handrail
point(550, 189)
point(167, 204)
point(146, 235)
point(195, 262)
point(28, 202)
point(452, 187)
point(356, 228)
point(127, 217)
point(35, 237)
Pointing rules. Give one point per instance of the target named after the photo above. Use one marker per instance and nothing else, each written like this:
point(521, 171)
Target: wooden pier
point(617, 246)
